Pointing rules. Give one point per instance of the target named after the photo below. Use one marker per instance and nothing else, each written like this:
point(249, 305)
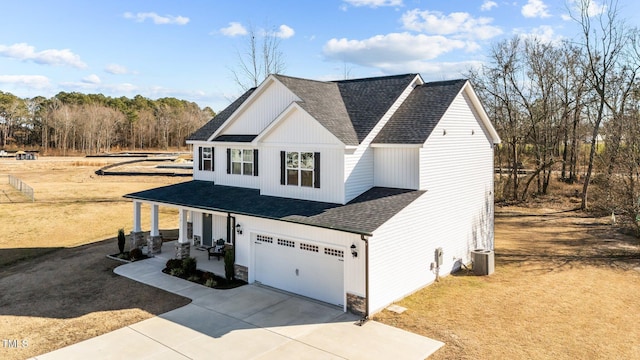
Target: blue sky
point(186, 49)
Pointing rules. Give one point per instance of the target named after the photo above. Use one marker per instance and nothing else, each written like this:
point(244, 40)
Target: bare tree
point(260, 58)
point(604, 38)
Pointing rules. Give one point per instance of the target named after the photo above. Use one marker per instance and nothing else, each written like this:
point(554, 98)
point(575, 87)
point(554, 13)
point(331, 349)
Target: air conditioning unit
point(483, 262)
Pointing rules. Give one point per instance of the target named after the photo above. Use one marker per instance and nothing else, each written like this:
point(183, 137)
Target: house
point(356, 192)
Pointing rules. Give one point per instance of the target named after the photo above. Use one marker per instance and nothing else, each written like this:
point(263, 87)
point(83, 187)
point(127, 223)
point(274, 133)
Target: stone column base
point(183, 250)
point(241, 272)
point(356, 304)
point(136, 240)
point(154, 245)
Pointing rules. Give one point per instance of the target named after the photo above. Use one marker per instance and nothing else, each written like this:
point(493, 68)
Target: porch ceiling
point(362, 215)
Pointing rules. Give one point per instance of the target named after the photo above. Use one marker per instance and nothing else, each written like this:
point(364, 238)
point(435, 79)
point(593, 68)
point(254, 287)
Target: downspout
point(366, 281)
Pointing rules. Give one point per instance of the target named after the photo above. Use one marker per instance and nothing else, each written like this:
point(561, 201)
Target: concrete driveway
point(249, 322)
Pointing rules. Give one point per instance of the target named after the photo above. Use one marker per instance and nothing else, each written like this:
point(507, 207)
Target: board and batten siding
point(354, 280)
point(200, 174)
point(455, 213)
point(239, 180)
point(396, 167)
point(359, 165)
point(300, 132)
point(262, 110)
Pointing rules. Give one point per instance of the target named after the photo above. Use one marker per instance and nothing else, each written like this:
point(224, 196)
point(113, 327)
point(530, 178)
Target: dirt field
point(565, 287)
point(56, 285)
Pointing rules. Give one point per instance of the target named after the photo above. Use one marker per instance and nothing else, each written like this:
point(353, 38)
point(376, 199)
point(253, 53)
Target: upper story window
point(300, 168)
point(242, 161)
point(205, 158)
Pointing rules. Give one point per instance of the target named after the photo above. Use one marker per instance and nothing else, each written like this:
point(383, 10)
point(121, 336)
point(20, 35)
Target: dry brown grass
point(56, 285)
point(565, 287)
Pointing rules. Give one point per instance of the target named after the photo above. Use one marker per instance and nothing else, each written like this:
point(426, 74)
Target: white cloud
point(26, 52)
point(30, 81)
point(457, 23)
point(535, 9)
point(234, 29)
point(488, 5)
point(91, 79)
point(157, 19)
point(116, 69)
point(594, 8)
point(284, 32)
point(391, 50)
point(543, 33)
point(374, 3)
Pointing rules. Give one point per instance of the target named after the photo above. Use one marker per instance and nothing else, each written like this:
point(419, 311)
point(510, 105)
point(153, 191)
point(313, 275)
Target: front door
point(207, 230)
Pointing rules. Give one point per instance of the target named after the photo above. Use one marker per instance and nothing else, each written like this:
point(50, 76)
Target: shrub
point(189, 265)
point(121, 240)
point(210, 283)
point(229, 260)
point(135, 254)
point(173, 264)
point(194, 278)
point(179, 272)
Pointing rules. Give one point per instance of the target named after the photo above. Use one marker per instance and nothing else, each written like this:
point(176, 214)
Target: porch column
point(183, 247)
point(154, 241)
point(154, 221)
point(136, 215)
point(136, 238)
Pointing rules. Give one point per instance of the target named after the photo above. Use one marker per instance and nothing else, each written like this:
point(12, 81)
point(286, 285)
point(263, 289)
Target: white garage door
point(301, 267)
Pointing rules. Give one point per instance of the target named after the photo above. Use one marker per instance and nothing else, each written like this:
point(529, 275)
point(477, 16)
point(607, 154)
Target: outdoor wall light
point(239, 229)
point(354, 251)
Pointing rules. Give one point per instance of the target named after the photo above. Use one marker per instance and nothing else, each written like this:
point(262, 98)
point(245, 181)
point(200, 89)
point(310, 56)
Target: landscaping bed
point(186, 269)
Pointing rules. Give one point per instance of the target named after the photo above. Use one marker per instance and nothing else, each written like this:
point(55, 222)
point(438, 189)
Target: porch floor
point(214, 265)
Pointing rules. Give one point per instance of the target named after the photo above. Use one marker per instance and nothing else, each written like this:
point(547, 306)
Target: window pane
point(292, 177)
point(236, 168)
point(292, 160)
point(206, 153)
point(306, 161)
point(236, 155)
point(248, 168)
point(247, 155)
point(306, 178)
point(206, 165)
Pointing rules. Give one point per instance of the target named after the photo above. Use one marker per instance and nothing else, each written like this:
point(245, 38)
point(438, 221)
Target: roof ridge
point(386, 77)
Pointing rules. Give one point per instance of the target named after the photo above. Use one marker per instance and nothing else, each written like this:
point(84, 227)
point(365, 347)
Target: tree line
point(569, 109)
point(72, 122)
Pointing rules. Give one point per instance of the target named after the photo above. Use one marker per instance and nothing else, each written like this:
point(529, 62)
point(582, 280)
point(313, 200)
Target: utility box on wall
point(483, 262)
point(439, 256)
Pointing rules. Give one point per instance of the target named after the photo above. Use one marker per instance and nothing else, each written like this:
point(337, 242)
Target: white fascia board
point(261, 88)
point(403, 146)
point(486, 122)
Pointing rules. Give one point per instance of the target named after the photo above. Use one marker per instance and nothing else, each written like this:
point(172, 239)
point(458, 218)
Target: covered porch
point(214, 265)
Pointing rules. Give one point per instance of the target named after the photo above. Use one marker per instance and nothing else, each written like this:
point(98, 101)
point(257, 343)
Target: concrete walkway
point(249, 322)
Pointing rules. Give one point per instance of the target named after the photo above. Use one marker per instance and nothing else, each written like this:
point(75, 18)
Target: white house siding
point(354, 280)
point(199, 174)
point(455, 213)
point(396, 167)
point(358, 167)
point(299, 132)
point(222, 178)
point(262, 111)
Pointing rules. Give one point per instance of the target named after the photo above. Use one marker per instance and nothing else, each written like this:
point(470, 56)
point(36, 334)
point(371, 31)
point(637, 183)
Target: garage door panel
point(302, 267)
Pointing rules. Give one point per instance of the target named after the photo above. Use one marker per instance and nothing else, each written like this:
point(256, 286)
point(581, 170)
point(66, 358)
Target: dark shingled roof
point(361, 215)
point(323, 101)
point(349, 109)
point(235, 138)
point(367, 100)
point(418, 115)
point(209, 128)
